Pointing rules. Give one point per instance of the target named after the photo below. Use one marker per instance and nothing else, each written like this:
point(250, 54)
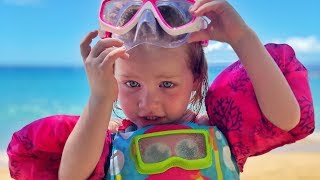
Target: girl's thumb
point(198, 36)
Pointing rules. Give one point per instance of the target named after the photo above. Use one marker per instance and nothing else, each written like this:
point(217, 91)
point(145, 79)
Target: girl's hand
point(226, 24)
point(99, 65)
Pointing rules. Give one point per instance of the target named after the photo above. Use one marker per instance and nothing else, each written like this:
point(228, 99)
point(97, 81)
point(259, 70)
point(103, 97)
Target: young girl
point(156, 86)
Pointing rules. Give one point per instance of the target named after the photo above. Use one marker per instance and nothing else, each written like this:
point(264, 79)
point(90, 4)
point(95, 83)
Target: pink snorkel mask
point(164, 23)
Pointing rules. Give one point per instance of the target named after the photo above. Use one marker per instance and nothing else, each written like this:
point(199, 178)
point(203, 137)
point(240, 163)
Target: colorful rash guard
point(35, 151)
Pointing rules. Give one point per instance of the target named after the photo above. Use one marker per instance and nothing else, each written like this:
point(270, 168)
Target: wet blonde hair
point(199, 67)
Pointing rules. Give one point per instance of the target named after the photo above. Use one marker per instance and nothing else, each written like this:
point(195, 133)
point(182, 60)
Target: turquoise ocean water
point(29, 93)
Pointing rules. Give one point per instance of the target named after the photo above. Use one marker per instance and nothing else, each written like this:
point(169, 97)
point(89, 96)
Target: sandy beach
point(4, 173)
point(298, 161)
point(292, 165)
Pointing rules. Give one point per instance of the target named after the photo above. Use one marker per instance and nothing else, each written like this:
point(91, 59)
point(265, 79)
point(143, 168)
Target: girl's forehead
point(159, 57)
point(154, 61)
point(158, 52)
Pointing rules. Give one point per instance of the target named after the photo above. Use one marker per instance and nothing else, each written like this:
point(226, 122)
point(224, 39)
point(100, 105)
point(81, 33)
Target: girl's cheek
point(126, 102)
point(176, 99)
point(177, 93)
point(173, 96)
point(127, 95)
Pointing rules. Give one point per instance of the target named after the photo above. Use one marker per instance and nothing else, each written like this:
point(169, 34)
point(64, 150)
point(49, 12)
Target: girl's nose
point(149, 102)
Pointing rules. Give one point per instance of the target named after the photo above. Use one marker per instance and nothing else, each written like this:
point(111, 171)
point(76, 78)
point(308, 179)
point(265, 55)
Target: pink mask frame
point(106, 28)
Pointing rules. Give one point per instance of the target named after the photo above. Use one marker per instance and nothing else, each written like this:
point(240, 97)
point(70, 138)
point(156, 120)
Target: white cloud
point(304, 44)
point(307, 49)
point(218, 52)
point(217, 46)
point(22, 2)
point(308, 44)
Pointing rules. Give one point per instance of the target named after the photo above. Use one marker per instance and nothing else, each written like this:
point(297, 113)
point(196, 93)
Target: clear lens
point(127, 15)
point(119, 12)
point(175, 13)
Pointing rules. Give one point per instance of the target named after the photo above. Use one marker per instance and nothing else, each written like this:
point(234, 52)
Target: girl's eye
point(166, 84)
point(132, 84)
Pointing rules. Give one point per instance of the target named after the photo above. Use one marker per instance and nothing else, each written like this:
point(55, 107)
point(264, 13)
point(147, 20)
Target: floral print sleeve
point(232, 106)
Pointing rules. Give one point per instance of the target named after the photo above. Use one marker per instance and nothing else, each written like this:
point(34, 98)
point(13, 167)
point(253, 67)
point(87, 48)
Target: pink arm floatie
point(232, 106)
point(35, 151)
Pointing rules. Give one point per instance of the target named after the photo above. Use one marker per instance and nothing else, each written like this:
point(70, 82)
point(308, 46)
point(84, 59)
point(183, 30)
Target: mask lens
point(171, 16)
point(119, 12)
point(127, 15)
point(175, 13)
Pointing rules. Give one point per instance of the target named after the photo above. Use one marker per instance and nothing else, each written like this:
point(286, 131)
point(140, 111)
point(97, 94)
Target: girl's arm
point(273, 92)
point(274, 95)
point(85, 144)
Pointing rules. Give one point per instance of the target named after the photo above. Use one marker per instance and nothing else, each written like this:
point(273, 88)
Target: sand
point(290, 165)
point(297, 161)
point(4, 173)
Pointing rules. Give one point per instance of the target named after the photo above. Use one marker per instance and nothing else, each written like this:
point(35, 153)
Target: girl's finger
point(107, 51)
point(109, 60)
point(212, 6)
point(125, 56)
point(103, 54)
point(85, 47)
point(212, 16)
point(199, 36)
point(104, 44)
point(197, 4)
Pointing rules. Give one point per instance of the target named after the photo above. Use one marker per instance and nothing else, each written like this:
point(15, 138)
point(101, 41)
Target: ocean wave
point(19, 110)
point(314, 74)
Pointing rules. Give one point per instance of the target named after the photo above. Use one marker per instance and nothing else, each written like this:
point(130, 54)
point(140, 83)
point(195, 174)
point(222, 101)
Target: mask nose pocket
point(147, 27)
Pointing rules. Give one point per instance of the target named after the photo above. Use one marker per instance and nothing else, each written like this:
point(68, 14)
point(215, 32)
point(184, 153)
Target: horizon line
point(226, 63)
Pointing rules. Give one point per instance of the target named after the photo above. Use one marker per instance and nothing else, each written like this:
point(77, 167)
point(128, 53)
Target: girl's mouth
point(151, 118)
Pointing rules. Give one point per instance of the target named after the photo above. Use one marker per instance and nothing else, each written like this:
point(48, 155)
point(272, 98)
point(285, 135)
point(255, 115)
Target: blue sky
point(48, 32)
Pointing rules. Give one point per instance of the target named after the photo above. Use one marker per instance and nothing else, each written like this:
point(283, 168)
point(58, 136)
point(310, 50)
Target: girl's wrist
point(99, 109)
point(247, 35)
point(100, 100)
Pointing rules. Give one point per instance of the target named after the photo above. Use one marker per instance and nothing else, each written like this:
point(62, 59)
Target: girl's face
point(155, 85)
